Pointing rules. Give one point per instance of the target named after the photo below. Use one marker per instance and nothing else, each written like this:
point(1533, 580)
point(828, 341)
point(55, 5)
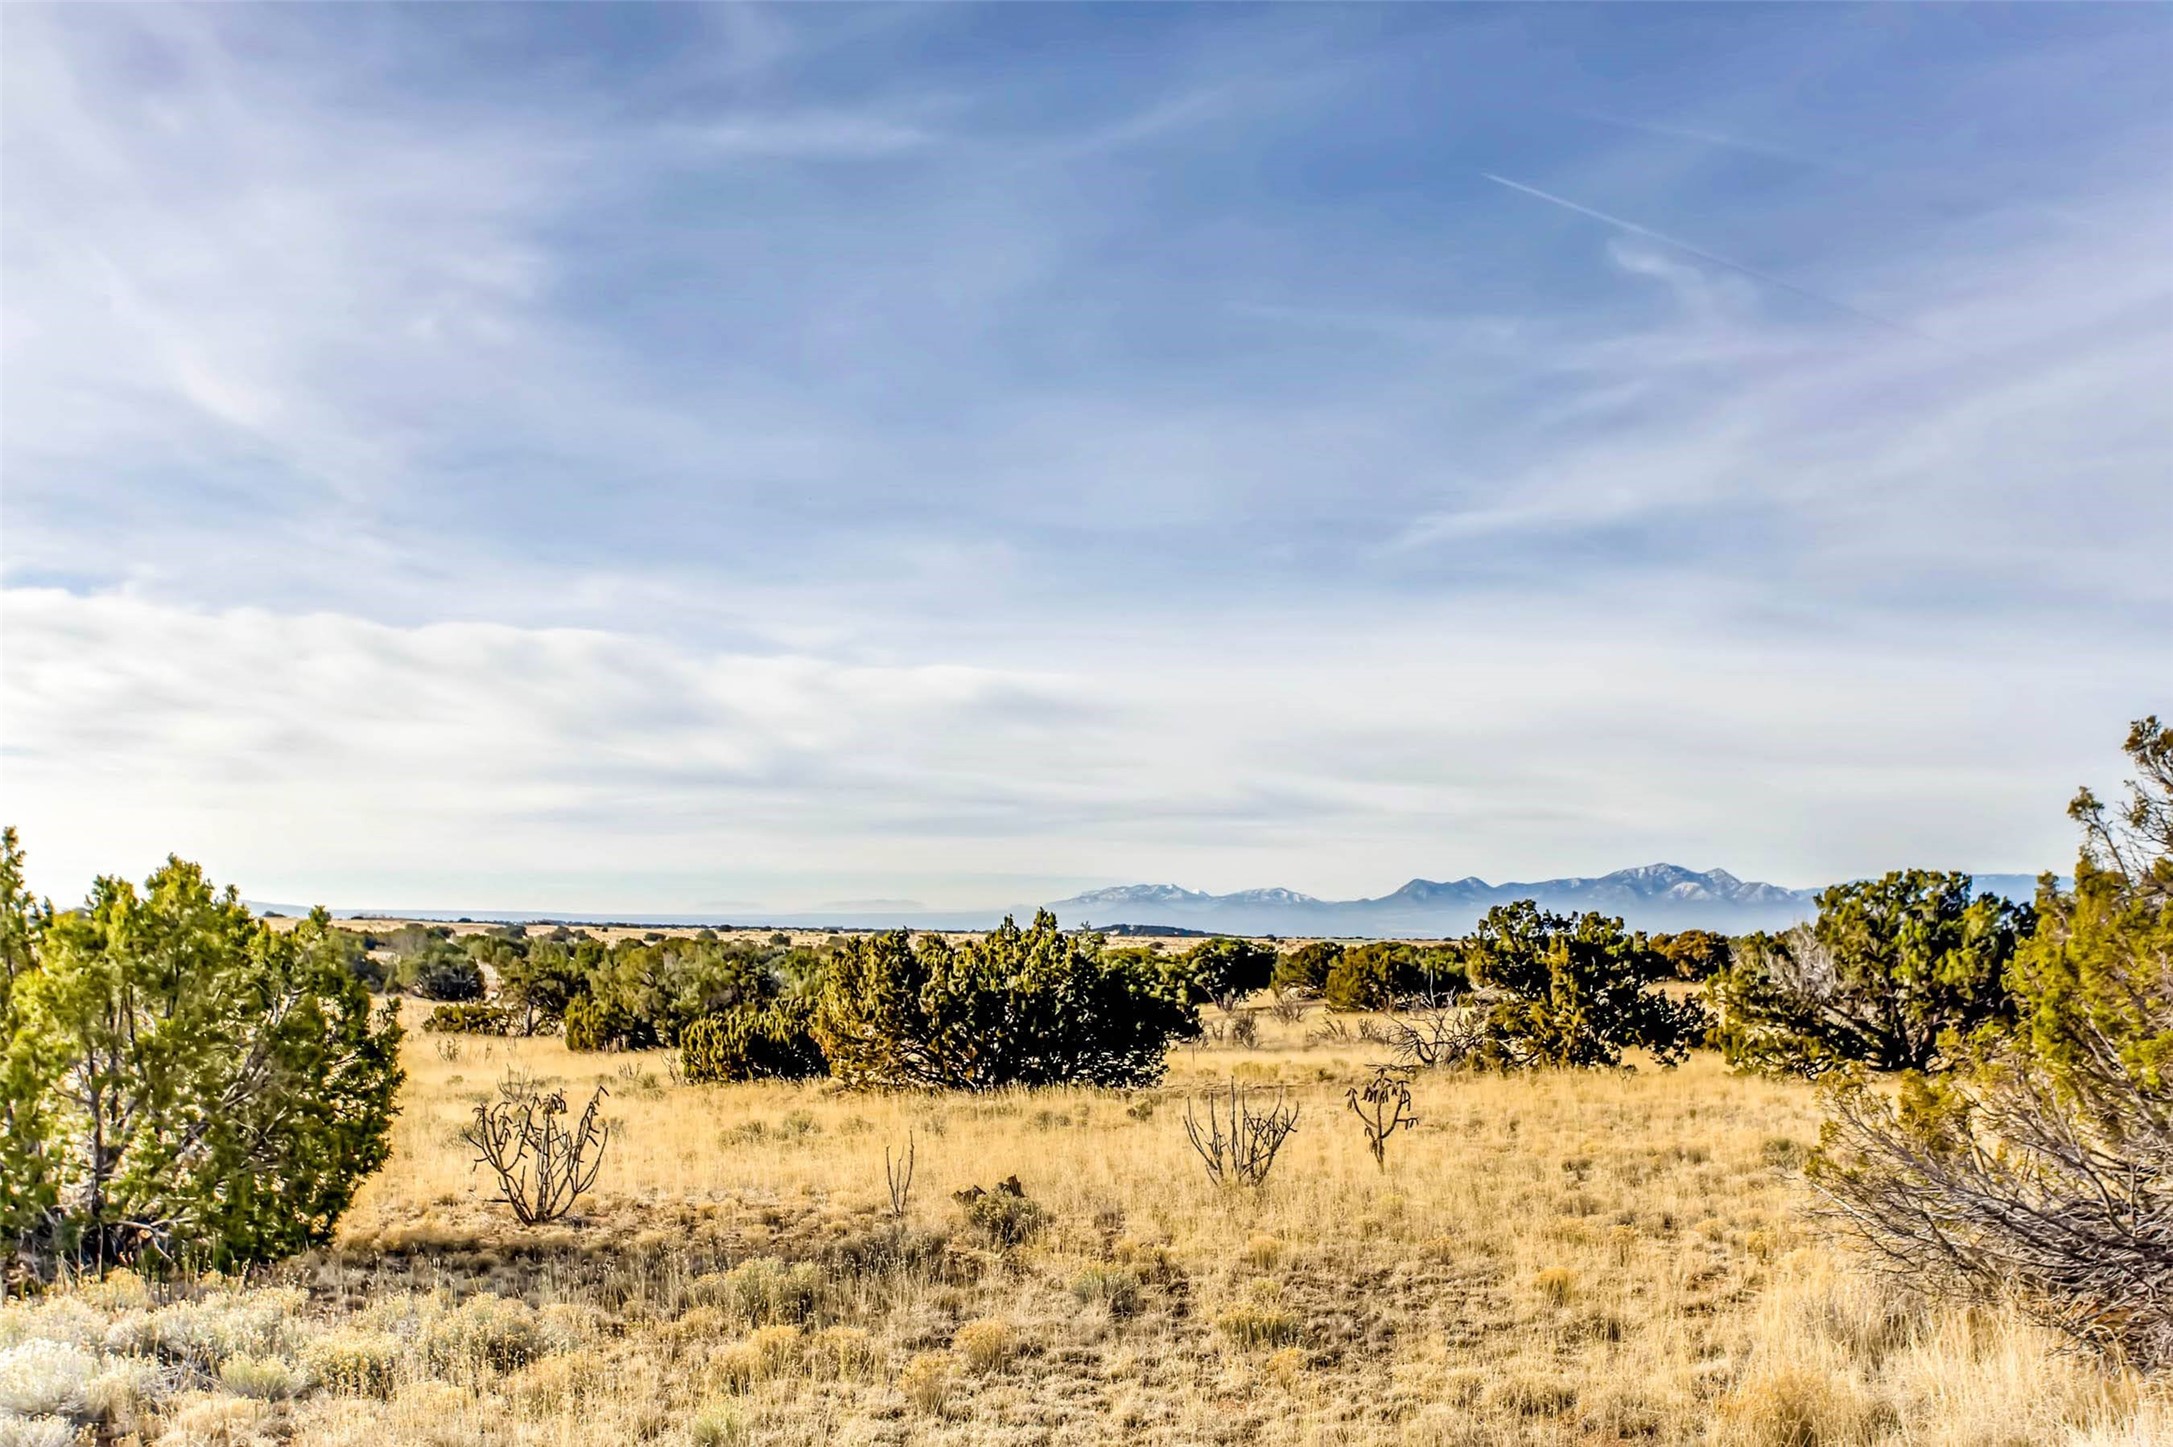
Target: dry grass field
point(1558, 1259)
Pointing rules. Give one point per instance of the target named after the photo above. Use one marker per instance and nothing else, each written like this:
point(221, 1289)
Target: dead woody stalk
point(543, 1165)
point(1236, 1142)
point(1383, 1107)
point(899, 1175)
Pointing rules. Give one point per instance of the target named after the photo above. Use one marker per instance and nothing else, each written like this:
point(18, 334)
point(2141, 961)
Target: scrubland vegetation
point(1565, 1257)
point(895, 1190)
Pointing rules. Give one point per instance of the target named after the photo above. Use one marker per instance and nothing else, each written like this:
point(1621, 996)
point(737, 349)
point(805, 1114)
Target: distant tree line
point(1894, 974)
point(1890, 974)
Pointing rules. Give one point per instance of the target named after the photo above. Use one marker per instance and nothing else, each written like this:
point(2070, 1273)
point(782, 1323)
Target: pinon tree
point(1034, 1006)
point(538, 982)
point(1227, 970)
point(753, 1040)
point(1573, 992)
point(180, 1083)
point(1895, 973)
point(1372, 976)
point(2045, 1169)
point(25, 1189)
point(1305, 970)
point(1693, 954)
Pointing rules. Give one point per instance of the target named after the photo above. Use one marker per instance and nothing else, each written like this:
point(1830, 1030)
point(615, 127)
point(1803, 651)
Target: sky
point(724, 459)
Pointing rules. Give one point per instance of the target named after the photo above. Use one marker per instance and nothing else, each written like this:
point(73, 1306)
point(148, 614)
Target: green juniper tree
point(1693, 954)
point(443, 970)
point(537, 983)
point(1227, 970)
point(1033, 1006)
point(1305, 970)
point(1573, 992)
point(1895, 973)
point(2044, 1169)
point(180, 1083)
point(769, 1039)
point(1372, 976)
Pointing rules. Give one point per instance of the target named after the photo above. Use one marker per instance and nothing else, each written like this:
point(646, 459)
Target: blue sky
point(702, 459)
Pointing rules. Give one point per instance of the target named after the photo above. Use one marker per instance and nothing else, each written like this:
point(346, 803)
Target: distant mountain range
point(1650, 897)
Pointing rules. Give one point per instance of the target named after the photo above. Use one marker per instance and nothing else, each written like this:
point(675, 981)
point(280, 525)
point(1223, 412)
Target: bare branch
point(542, 1165)
point(1236, 1143)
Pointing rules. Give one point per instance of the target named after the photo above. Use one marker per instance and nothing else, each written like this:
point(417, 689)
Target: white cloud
point(328, 757)
point(469, 746)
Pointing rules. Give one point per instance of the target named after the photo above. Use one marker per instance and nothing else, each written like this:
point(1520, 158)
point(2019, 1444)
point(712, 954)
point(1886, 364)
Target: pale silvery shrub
point(35, 1431)
point(55, 1318)
point(208, 1331)
point(122, 1389)
point(266, 1379)
point(45, 1378)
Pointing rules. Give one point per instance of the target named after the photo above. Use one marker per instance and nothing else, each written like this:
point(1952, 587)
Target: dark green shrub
point(1573, 992)
point(635, 994)
point(180, 1085)
point(753, 1042)
point(600, 1024)
point(2042, 1172)
point(413, 939)
point(1226, 970)
point(467, 1019)
point(1895, 973)
point(1019, 1007)
point(1692, 954)
point(443, 972)
point(354, 951)
point(1305, 970)
point(657, 989)
point(538, 981)
point(1373, 977)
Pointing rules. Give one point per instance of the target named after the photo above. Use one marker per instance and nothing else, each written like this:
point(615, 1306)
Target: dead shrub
point(928, 1380)
point(1796, 1407)
point(543, 1165)
point(987, 1345)
point(1237, 1143)
point(1383, 1107)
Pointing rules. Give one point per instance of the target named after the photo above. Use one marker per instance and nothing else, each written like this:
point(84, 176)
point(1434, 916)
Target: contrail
point(1724, 142)
point(1703, 255)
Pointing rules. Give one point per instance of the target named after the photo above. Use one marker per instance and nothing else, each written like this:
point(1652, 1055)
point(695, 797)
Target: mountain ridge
point(1648, 896)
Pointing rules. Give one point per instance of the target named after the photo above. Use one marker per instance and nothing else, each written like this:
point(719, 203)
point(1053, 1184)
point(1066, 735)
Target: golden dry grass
point(1586, 1258)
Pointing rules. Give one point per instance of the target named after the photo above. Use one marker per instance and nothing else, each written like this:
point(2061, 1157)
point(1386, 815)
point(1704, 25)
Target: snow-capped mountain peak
point(1649, 896)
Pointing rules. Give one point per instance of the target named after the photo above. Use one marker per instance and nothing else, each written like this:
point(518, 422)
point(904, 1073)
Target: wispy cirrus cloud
point(809, 136)
point(1649, 234)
